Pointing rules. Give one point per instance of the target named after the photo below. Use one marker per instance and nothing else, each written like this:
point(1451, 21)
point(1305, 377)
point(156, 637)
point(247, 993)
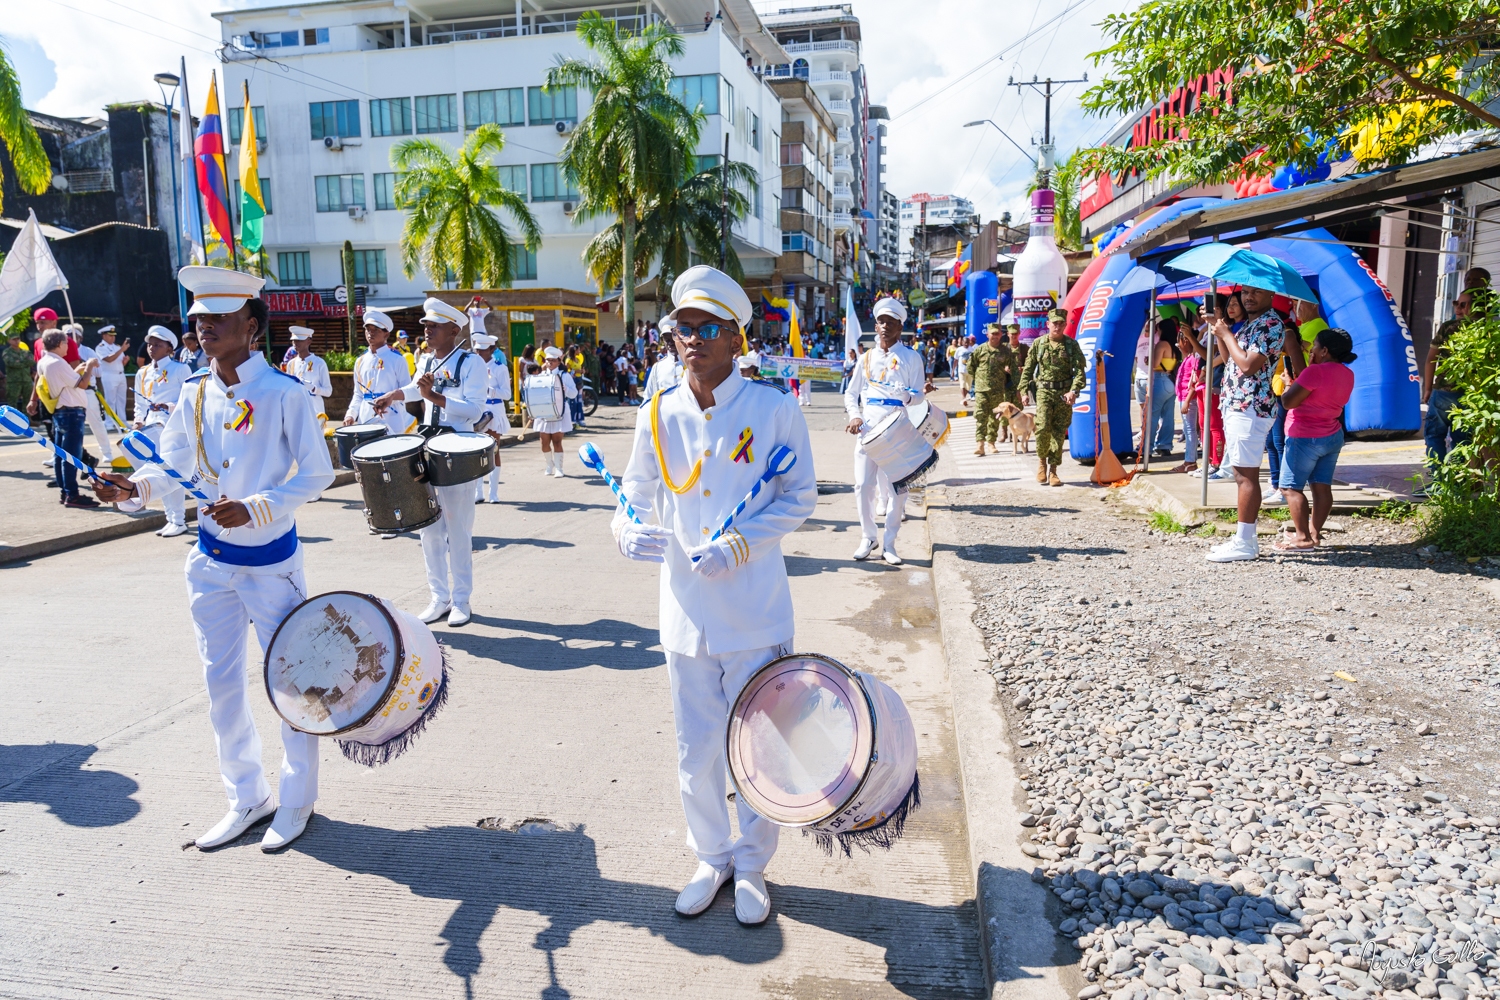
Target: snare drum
point(457, 457)
point(930, 421)
point(816, 745)
point(902, 453)
point(543, 396)
point(351, 437)
point(359, 669)
point(392, 476)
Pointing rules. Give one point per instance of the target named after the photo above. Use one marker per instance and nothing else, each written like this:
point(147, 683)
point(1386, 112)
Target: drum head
point(362, 430)
point(799, 739)
point(460, 443)
point(332, 662)
point(392, 446)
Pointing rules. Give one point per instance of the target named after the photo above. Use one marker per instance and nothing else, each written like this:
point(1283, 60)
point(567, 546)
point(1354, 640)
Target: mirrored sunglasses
point(705, 331)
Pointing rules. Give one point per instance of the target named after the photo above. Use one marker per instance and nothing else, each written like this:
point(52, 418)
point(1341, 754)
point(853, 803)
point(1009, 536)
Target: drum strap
point(429, 429)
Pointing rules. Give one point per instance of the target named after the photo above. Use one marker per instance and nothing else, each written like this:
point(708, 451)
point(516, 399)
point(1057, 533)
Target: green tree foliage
point(33, 169)
point(451, 225)
point(1463, 514)
point(1376, 78)
point(635, 144)
point(1065, 183)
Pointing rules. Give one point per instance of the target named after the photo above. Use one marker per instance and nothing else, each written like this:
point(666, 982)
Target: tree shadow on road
point(986, 553)
point(606, 642)
point(53, 775)
point(553, 870)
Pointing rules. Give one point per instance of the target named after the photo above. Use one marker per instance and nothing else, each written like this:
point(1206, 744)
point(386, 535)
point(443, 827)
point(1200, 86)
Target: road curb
point(1020, 946)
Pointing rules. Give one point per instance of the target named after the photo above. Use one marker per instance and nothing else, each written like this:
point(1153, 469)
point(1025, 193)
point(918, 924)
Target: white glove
point(644, 542)
point(712, 560)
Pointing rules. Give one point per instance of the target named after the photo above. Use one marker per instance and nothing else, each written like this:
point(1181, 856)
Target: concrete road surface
point(529, 845)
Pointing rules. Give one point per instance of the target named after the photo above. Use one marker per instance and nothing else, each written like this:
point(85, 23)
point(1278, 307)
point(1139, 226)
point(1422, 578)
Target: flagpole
point(228, 208)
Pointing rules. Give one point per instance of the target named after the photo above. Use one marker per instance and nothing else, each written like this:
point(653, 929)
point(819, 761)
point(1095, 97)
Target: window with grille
point(385, 192)
point(549, 182)
point(522, 263)
point(237, 124)
point(559, 104)
point(390, 116)
point(369, 267)
point(340, 118)
point(337, 192)
point(437, 113)
point(698, 92)
point(494, 107)
point(294, 268)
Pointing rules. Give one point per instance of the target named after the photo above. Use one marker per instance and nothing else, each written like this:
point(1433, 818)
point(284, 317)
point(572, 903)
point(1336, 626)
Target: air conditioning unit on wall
point(569, 207)
point(563, 128)
point(356, 212)
point(333, 142)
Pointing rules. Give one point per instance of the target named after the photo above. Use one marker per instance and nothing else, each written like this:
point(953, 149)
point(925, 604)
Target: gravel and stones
point(1257, 779)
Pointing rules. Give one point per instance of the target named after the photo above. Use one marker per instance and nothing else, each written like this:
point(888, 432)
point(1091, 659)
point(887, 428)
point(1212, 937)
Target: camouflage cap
point(1059, 313)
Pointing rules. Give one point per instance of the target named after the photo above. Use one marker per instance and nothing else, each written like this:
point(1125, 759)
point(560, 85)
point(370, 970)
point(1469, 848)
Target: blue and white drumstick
point(589, 456)
point(142, 450)
point(780, 462)
point(17, 423)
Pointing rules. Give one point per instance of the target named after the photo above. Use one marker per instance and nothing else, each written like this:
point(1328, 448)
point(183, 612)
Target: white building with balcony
point(336, 85)
point(941, 210)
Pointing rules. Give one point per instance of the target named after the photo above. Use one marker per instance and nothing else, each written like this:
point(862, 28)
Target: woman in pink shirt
point(1315, 404)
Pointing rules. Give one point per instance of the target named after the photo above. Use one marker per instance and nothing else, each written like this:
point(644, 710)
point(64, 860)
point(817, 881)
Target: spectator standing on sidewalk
point(961, 355)
point(1437, 392)
point(1248, 409)
point(1315, 403)
point(69, 386)
point(1309, 325)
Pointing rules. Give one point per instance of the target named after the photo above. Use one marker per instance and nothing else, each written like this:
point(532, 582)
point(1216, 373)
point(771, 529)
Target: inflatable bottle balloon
point(1041, 274)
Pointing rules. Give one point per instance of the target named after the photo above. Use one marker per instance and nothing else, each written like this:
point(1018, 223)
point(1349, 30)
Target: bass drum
point(543, 396)
point(351, 437)
point(902, 453)
point(459, 457)
point(930, 421)
point(359, 669)
point(392, 476)
point(813, 744)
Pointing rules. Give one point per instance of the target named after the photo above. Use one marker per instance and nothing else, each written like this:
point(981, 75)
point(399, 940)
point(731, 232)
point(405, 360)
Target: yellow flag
point(795, 337)
point(252, 203)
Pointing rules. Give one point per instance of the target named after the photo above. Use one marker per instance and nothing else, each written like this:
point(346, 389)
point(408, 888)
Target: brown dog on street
point(1022, 426)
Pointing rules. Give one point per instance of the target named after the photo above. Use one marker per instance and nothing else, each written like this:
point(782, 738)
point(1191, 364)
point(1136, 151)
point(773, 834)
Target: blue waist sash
point(872, 401)
point(248, 555)
point(367, 396)
point(492, 402)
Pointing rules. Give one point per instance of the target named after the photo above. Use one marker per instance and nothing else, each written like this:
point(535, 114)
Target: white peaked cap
point(374, 317)
point(483, 340)
point(437, 311)
point(713, 291)
point(218, 290)
point(301, 332)
point(890, 307)
point(553, 352)
point(749, 361)
point(163, 334)
point(107, 328)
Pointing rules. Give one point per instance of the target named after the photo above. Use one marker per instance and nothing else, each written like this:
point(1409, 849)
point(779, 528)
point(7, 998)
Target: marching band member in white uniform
point(311, 370)
point(157, 389)
point(238, 431)
point(91, 412)
point(667, 371)
point(376, 372)
point(452, 382)
point(888, 375)
point(111, 371)
point(496, 394)
point(699, 448)
point(552, 431)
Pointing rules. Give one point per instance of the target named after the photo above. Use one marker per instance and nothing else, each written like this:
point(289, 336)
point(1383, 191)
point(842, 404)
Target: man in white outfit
point(311, 370)
point(158, 386)
point(238, 431)
point(496, 394)
point(376, 372)
point(667, 371)
point(452, 382)
point(111, 372)
point(726, 607)
point(888, 375)
point(92, 413)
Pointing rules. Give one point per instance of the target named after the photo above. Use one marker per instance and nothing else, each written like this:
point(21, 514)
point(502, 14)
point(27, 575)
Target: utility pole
point(1044, 169)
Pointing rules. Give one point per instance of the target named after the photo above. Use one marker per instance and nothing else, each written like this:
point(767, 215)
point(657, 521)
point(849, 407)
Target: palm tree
point(636, 142)
point(687, 221)
point(450, 225)
point(33, 169)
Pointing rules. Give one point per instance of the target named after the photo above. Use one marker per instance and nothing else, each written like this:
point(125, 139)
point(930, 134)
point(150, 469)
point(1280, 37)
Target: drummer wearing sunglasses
point(726, 607)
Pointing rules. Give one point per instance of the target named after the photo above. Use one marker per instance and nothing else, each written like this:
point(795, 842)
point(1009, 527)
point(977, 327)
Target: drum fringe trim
point(883, 836)
point(920, 473)
point(370, 754)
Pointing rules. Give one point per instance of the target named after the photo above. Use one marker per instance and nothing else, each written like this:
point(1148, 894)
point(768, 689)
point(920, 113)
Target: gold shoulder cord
point(661, 459)
point(204, 466)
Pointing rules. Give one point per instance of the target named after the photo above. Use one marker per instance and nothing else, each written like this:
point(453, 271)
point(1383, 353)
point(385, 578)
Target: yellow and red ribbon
point(244, 421)
point(742, 452)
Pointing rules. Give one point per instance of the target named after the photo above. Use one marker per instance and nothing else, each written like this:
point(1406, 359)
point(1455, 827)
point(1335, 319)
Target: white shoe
point(889, 555)
point(234, 823)
point(458, 615)
point(494, 498)
point(558, 473)
point(880, 509)
point(866, 546)
point(170, 530)
point(1234, 550)
point(479, 498)
point(286, 827)
point(698, 895)
point(433, 612)
point(752, 901)
point(1275, 497)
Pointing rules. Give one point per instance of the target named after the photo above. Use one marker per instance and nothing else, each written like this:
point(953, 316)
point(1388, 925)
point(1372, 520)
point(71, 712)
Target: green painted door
point(522, 336)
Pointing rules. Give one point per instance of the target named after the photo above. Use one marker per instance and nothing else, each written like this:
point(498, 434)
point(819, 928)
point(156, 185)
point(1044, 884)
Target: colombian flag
point(252, 203)
point(213, 180)
point(774, 308)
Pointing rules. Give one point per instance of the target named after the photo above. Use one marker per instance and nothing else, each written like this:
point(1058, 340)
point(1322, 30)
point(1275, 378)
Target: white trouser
point(703, 691)
point(223, 602)
point(113, 387)
point(867, 478)
point(493, 479)
point(448, 546)
point(173, 500)
point(395, 418)
point(95, 418)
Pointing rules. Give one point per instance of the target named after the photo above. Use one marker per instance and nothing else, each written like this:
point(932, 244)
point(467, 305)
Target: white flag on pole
point(852, 332)
point(190, 210)
point(30, 274)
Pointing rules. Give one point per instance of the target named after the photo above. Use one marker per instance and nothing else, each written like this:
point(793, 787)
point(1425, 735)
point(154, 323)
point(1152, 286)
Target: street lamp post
point(163, 81)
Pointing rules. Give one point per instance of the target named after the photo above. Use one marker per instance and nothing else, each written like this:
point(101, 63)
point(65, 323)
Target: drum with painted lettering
point(930, 421)
point(901, 451)
point(813, 744)
point(459, 457)
point(356, 668)
point(392, 476)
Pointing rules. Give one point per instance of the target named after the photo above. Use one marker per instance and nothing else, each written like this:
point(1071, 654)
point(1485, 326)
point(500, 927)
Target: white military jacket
point(461, 378)
point(688, 470)
point(312, 371)
point(375, 374)
point(666, 372)
point(242, 442)
point(157, 387)
point(497, 379)
point(882, 380)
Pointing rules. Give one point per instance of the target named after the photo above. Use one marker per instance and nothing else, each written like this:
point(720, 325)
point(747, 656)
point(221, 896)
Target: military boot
point(1053, 479)
point(1041, 469)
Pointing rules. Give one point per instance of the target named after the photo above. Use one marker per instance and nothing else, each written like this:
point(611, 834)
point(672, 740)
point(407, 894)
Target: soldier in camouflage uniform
point(995, 373)
point(16, 372)
point(1055, 373)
